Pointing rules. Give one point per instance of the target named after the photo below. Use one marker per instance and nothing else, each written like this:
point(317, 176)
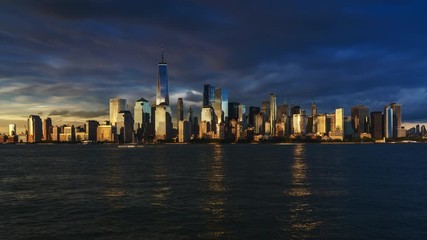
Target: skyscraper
point(34, 128)
point(91, 129)
point(388, 122)
point(397, 119)
point(299, 123)
point(208, 95)
point(47, 126)
point(252, 112)
point(12, 129)
point(184, 133)
point(339, 120)
point(242, 115)
point(142, 113)
point(224, 102)
point(313, 109)
point(116, 105)
point(180, 112)
point(233, 110)
point(273, 114)
point(360, 119)
point(163, 122)
point(377, 125)
point(220, 106)
point(162, 90)
point(265, 108)
point(282, 110)
point(125, 126)
point(190, 115)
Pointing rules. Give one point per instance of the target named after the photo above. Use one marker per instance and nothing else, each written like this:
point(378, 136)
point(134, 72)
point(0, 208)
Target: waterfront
point(306, 191)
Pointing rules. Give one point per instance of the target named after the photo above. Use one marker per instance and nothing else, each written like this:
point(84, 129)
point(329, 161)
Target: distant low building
point(105, 133)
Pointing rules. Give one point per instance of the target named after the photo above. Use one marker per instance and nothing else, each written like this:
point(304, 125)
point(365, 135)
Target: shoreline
point(214, 143)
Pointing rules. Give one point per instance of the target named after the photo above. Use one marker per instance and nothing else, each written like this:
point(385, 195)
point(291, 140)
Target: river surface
point(307, 191)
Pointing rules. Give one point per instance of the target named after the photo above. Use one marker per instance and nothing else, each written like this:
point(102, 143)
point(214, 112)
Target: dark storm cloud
point(59, 113)
point(337, 53)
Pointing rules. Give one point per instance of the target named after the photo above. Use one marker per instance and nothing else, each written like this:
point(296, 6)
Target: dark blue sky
point(67, 58)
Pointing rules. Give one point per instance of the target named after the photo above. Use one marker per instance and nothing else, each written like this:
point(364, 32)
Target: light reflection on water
point(214, 204)
point(114, 190)
point(161, 189)
point(301, 219)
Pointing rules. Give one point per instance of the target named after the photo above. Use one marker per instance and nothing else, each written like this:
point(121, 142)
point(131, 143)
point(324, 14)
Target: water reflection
point(214, 204)
point(161, 188)
point(301, 221)
point(114, 190)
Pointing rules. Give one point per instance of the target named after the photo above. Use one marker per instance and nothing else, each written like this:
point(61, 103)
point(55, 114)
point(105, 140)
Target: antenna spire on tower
point(163, 57)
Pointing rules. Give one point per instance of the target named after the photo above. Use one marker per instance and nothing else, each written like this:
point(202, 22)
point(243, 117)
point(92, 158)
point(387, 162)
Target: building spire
point(163, 57)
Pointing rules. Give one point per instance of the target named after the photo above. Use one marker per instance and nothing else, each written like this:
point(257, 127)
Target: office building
point(265, 108)
point(208, 95)
point(360, 119)
point(189, 115)
point(388, 122)
point(330, 122)
point(105, 133)
point(91, 130)
point(55, 132)
point(35, 130)
point(377, 125)
point(68, 135)
point(282, 110)
point(141, 113)
point(180, 110)
point(12, 129)
point(47, 126)
point(397, 120)
point(233, 110)
point(313, 109)
point(208, 115)
point(125, 127)
point(116, 105)
point(320, 125)
point(195, 127)
point(259, 123)
point(337, 132)
point(273, 114)
point(252, 112)
point(162, 89)
point(184, 134)
point(163, 124)
point(242, 116)
point(299, 123)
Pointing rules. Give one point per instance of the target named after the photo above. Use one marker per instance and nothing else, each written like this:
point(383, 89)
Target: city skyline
point(63, 63)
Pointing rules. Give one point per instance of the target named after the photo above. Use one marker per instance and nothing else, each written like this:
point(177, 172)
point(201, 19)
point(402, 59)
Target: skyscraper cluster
point(220, 119)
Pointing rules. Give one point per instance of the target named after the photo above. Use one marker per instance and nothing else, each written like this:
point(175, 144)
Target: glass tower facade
point(162, 91)
point(388, 122)
point(208, 95)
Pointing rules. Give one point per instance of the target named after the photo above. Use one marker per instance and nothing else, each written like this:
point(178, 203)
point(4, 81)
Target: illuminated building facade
point(35, 131)
point(116, 105)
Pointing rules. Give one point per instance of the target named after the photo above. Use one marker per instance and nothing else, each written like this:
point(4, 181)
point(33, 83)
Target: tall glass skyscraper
point(208, 95)
point(273, 114)
point(388, 122)
point(162, 90)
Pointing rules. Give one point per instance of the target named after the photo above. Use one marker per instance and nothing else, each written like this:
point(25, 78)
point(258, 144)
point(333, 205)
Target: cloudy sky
point(66, 58)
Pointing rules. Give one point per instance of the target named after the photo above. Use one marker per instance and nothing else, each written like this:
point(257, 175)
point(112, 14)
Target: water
point(307, 191)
